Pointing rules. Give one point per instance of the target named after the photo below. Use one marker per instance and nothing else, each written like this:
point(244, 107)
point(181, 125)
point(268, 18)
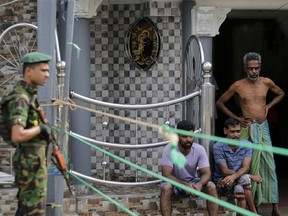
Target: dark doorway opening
point(265, 36)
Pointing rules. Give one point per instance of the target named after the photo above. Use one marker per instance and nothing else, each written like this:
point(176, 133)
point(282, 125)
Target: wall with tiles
point(24, 11)
point(21, 11)
point(115, 79)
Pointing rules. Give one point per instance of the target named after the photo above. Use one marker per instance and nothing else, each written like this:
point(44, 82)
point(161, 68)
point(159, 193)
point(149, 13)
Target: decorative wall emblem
point(143, 43)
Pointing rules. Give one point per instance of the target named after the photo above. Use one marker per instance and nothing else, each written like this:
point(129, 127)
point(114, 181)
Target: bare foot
point(276, 212)
point(256, 178)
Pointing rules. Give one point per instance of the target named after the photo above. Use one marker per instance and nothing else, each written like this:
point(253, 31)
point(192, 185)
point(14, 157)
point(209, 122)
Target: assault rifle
point(54, 153)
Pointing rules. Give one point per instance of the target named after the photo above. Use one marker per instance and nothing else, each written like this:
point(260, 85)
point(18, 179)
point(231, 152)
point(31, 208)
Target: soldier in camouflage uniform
point(30, 136)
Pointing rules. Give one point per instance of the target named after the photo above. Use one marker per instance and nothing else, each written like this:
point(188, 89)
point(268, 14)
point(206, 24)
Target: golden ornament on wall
point(143, 43)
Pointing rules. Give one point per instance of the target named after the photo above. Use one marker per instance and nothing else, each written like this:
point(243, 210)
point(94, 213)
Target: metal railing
point(205, 90)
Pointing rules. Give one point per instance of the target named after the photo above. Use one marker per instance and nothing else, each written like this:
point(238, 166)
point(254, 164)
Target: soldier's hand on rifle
point(45, 131)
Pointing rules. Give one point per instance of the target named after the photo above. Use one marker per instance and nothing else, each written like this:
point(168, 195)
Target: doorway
point(267, 37)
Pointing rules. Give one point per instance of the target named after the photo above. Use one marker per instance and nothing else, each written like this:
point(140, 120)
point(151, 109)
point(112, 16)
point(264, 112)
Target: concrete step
point(142, 200)
point(8, 202)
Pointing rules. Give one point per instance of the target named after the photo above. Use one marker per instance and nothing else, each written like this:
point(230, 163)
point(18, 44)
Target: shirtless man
point(252, 92)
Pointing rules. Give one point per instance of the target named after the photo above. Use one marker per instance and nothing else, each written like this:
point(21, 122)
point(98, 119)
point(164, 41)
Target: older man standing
point(252, 92)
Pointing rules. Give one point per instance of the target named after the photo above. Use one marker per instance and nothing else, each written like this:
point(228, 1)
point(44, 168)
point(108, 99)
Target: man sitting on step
point(196, 157)
point(232, 165)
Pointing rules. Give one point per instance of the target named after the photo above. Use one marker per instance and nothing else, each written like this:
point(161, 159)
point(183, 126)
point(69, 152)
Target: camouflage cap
point(34, 57)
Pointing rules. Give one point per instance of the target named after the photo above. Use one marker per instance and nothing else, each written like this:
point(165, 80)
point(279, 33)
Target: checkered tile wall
point(115, 79)
point(24, 11)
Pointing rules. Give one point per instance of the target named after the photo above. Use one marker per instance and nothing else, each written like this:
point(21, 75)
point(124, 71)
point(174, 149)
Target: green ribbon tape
point(191, 190)
point(177, 158)
point(276, 150)
point(78, 49)
point(103, 194)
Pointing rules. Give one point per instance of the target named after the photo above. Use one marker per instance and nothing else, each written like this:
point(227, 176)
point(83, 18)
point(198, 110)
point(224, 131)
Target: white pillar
point(206, 21)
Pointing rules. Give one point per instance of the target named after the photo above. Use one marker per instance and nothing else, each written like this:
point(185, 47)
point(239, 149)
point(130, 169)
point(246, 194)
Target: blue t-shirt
point(197, 158)
point(224, 154)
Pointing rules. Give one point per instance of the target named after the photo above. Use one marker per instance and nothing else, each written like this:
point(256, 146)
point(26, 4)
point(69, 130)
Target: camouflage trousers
point(31, 179)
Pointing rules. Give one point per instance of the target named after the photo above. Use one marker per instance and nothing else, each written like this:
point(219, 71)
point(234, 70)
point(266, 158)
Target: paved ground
point(265, 210)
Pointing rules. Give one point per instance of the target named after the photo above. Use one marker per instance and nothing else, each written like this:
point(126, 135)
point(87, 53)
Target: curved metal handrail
point(118, 145)
point(134, 107)
point(187, 67)
point(17, 25)
point(124, 146)
point(197, 39)
point(8, 3)
point(114, 182)
point(188, 63)
point(14, 50)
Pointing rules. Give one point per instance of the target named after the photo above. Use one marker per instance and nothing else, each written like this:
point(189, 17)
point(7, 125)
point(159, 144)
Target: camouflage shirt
point(23, 110)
